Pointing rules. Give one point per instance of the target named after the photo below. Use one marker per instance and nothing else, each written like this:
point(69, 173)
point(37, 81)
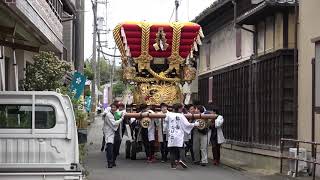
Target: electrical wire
point(109, 54)
point(174, 11)
point(171, 14)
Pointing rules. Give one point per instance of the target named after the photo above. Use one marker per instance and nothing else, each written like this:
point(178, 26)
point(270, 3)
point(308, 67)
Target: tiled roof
point(219, 3)
point(263, 4)
point(214, 6)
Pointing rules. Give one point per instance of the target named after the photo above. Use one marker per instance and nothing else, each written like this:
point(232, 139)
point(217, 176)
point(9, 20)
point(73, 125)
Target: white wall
point(223, 48)
point(308, 29)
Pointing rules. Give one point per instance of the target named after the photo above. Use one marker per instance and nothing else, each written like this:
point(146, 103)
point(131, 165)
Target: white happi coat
point(178, 125)
point(218, 125)
point(110, 126)
point(151, 128)
point(162, 128)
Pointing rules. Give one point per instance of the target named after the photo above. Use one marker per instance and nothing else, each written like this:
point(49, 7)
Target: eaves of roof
point(211, 9)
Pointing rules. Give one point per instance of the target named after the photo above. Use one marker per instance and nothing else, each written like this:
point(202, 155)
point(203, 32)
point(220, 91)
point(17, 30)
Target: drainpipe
point(295, 65)
point(313, 100)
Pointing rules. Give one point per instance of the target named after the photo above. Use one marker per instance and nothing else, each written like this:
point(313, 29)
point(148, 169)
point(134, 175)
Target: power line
point(171, 14)
point(104, 53)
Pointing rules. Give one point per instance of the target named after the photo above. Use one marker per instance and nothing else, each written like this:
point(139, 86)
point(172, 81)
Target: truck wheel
point(128, 149)
point(133, 150)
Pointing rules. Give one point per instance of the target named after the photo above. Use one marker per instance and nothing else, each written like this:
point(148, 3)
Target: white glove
point(196, 124)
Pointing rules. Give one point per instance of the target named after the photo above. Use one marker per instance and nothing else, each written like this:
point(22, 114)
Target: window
point(20, 116)
point(45, 117)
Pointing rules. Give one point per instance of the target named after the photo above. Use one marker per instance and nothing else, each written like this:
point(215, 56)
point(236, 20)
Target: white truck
point(38, 137)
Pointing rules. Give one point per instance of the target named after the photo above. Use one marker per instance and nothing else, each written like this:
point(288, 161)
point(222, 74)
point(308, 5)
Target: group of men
point(177, 135)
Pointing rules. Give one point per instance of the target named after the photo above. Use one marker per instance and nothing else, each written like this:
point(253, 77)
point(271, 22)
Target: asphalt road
point(141, 170)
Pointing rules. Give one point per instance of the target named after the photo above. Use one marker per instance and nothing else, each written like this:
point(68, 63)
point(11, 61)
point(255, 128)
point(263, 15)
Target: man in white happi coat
point(201, 139)
point(162, 133)
point(109, 128)
point(217, 137)
point(119, 132)
point(178, 125)
point(148, 135)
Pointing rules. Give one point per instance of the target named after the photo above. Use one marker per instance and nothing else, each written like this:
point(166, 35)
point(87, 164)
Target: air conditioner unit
point(302, 166)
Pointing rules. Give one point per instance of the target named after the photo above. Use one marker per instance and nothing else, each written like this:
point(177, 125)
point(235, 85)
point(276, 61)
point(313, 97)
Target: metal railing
point(57, 7)
point(297, 159)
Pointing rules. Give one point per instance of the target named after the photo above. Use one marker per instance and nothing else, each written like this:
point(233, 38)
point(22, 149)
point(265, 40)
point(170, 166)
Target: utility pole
point(98, 65)
point(94, 51)
point(106, 20)
point(112, 71)
point(176, 2)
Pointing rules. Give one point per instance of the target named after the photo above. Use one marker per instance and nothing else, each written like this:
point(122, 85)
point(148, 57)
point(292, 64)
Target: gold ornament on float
point(145, 122)
point(189, 73)
point(129, 73)
point(161, 41)
point(153, 94)
point(202, 124)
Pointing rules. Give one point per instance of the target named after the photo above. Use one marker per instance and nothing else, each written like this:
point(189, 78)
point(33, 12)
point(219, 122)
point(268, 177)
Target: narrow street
point(139, 169)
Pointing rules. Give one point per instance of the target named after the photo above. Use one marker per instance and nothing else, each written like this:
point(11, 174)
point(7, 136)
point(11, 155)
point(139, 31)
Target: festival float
point(158, 58)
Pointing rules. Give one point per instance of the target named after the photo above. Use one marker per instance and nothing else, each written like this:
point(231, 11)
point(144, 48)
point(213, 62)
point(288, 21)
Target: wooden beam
point(161, 115)
point(19, 46)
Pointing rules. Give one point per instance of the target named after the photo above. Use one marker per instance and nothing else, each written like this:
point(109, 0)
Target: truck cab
point(38, 136)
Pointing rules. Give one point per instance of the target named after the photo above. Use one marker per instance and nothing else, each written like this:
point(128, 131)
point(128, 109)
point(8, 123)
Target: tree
point(46, 73)
point(88, 72)
point(118, 88)
point(105, 71)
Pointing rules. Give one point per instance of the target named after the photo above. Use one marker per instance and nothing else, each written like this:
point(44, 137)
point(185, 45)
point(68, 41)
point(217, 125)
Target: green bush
point(46, 73)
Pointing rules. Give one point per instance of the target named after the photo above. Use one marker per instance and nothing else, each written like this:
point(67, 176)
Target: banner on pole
point(77, 85)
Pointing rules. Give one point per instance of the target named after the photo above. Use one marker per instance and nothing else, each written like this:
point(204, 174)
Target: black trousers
point(116, 145)
point(216, 151)
point(164, 148)
point(103, 143)
point(109, 153)
point(176, 154)
point(190, 143)
point(189, 148)
point(146, 143)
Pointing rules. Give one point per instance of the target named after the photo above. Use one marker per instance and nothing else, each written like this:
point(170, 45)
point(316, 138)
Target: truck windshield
point(20, 116)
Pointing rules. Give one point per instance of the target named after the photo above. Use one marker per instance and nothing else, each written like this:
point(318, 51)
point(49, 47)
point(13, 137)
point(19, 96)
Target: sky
point(137, 10)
